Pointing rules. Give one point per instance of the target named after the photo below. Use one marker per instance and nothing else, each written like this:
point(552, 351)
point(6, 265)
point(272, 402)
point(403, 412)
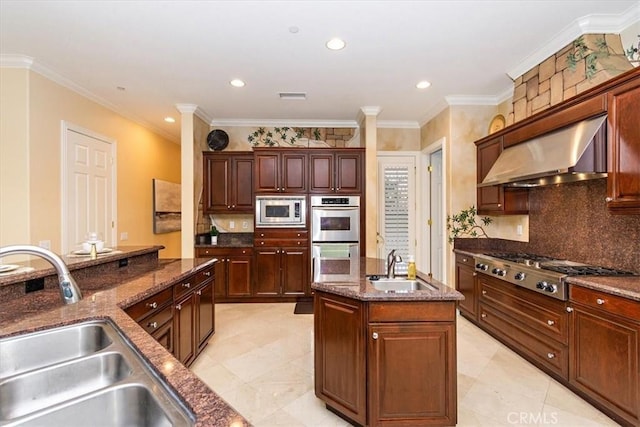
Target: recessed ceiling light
point(336, 44)
point(423, 84)
point(169, 120)
point(237, 83)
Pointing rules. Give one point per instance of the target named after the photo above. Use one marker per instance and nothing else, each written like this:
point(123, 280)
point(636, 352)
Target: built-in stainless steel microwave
point(281, 211)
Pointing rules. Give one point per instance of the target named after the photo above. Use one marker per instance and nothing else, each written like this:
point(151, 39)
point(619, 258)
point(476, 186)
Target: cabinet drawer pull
point(233, 206)
point(550, 356)
point(298, 234)
point(464, 260)
point(569, 309)
point(499, 205)
point(299, 243)
point(550, 322)
point(199, 292)
point(262, 243)
point(261, 234)
point(207, 273)
point(186, 285)
point(152, 325)
point(152, 305)
point(227, 259)
point(178, 307)
point(608, 199)
point(474, 274)
point(600, 301)
point(244, 252)
point(483, 315)
point(374, 335)
point(484, 292)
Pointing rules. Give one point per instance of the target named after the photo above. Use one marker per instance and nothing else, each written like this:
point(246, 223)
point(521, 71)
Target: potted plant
point(214, 235)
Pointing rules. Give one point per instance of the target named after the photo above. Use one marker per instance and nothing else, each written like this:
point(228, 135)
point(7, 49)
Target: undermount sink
point(401, 285)
point(87, 371)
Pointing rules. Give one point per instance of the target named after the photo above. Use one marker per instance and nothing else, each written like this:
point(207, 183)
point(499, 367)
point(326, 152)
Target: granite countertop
point(230, 240)
point(364, 291)
point(624, 286)
point(208, 407)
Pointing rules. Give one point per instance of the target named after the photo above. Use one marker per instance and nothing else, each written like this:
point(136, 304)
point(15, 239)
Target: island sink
point(401, 285)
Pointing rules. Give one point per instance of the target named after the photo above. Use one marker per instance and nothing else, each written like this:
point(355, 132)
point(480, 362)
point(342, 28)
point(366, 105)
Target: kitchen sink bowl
point(401, 285)
point(82, 374)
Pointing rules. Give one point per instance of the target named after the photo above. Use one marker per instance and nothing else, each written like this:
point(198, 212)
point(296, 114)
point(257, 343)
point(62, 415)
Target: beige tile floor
point(260, 361)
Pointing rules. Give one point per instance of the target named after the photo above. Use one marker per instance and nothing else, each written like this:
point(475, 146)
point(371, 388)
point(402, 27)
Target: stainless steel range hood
point(574, 153)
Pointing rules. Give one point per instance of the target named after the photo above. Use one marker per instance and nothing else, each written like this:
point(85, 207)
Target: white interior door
point(397, 207)
point(88, 187)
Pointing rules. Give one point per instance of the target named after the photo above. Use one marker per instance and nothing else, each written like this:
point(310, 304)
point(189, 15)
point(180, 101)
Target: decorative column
point(186, 172)
point(368, 126)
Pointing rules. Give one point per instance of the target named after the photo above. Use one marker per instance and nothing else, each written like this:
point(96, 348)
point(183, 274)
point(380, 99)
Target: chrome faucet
point(392, 258)
point(69, 290)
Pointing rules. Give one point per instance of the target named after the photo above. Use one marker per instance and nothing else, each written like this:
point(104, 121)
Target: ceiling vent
point(293, 95)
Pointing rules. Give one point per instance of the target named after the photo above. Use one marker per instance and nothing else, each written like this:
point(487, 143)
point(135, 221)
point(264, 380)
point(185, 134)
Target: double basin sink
point(79, 375)
point(400, 285)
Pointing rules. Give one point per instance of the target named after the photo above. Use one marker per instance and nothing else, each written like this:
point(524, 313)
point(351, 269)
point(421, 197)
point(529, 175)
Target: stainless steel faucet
point(69, 290)
point(392, 258)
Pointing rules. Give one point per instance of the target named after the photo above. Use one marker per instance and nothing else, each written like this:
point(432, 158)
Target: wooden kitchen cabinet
point(282, 263)
point(623, 181)
point(280, 170)
point(155, 315)
point(496, 199)
point(386, 362)
point(233, 272)
point(336, 171)
point(609, 325)
point(533, 325)
point(228, 182)
point(467, 285)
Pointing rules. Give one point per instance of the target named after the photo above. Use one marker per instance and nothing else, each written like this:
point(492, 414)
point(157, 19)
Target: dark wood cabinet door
point(623, 181)
point(294, 172)
point(348, 171)
point(216, 185)
point(340, 355)
point(321, 173)
point(204, 318)
point(242, 199)
point(239, 276)
point(267, 272)
point(490, 199)
point(423, 394)
point(220, 278)
point(165, 336)
point(267, 171)
point(295, 271)
point(184, 329)
point(467, 286)
point(610, 376)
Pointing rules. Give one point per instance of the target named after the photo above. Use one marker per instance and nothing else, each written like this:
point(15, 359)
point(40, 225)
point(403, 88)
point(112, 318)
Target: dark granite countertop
point(624, 286)
point(208, 407)
point(230, 240)
point(364, 291)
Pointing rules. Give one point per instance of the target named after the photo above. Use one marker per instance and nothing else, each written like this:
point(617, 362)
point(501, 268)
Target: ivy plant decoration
point(279, 137)
point(581, 51)
point(464, 223)
point(633, 53)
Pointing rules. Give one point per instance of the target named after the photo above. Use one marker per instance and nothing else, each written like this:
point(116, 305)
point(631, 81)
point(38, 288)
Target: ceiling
point(166, 53)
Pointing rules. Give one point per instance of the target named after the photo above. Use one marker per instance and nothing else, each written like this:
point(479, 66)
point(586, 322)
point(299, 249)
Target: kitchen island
point(207, 407)
point(386, 357)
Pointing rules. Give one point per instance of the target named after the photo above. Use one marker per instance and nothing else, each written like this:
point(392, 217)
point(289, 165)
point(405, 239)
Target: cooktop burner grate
point(520, 257)
point(587, 270)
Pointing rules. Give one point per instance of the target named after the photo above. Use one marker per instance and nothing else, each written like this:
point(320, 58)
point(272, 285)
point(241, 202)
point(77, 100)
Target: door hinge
point(429, 222)
point(113, 224)
point(429, 168)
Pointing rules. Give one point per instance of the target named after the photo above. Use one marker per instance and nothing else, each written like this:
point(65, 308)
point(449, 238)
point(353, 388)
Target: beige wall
point(394, 139)
point(141, 157)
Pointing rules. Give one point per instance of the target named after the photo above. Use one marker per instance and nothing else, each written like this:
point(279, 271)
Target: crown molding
point(585, 25)
point(23, 61)
point(187, 108)
point(434, 111)
point(284, 122)
point(371, 110)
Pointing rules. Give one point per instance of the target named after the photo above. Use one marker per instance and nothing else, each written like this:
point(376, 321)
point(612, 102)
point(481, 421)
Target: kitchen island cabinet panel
point(467, 285)
point(184, 330)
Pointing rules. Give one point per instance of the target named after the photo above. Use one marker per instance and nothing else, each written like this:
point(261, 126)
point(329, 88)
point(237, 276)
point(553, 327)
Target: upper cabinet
point(336, 171)
point(280, 170)
point(228, 182)
point(623, 185)
point(497, 200)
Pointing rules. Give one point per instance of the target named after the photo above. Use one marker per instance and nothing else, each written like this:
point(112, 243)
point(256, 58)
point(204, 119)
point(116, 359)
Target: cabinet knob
point(152, 305)
point(298, 234)
point(499, 205)
point(474, 274)
point(608, 199)
point(374, 335)
point(152, 325)
point(261, 234)
point(484, 292)
point(207, 273)
point(569, 309)
point(186, 285)
point(199, 292)
point(464, 260)
point(233, 206)
point(550, 356)
point(483, 315)
point(228, 207)
point(550, 322)
point(244, 252)
point(299, 242)
point(600, 301)
point(227, 259)
point(178, 307)
point(262, 243)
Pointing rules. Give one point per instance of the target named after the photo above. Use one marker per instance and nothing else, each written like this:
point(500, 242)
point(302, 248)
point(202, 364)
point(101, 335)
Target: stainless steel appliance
point(541, 274)
point(281, 211)
point(335, 219)
point(335, 238)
